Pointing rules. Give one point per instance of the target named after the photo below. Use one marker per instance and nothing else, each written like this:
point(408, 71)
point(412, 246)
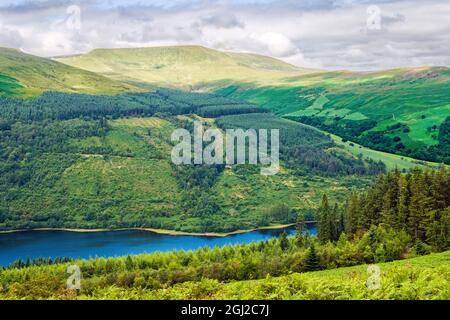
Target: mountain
point(182, 66)
point(22, 73)
point(400, 111)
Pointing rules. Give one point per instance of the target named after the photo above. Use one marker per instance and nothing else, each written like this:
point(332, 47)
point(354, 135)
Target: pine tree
point(301, 231)
point(312, 260)
point(284, 241)
point(324, 232)
point(334, 223)
point(403, 202)
point(341, 222)
point(353, 214)
point(419, 206)
point(391, 197)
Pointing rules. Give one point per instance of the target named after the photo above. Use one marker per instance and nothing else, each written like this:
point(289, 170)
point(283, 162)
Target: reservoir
point(83, 245)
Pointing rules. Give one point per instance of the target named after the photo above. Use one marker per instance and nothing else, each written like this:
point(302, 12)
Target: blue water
point(53, 244)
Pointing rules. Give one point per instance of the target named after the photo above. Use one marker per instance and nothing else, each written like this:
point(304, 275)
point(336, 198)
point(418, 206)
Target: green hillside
point(24, 74)
point(104, 162)
point(258, 271)
point(423, 278)
point(182, 66)
point(398, 111)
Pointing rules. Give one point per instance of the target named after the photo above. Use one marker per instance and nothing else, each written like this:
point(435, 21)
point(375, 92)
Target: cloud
point(330, 34)
point(224, 20)
point(275, 44)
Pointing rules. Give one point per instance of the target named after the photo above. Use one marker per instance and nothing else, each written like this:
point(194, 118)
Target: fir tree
point(324, 232)
point(284, 241)
point(312, 260)
point(353, 214)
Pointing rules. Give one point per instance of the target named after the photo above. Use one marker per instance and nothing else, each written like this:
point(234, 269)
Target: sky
point(326, 34)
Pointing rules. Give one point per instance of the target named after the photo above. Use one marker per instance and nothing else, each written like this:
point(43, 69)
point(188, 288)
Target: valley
point(99, 156)
point(353, 105)
point(85, 146)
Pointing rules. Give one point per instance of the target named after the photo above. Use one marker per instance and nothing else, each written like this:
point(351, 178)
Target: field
point(390, 160)
point(9, 86)
point(353, 105)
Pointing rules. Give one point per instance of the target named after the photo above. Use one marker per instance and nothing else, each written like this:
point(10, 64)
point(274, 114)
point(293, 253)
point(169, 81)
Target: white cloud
point(276, 44)
point(322, 33)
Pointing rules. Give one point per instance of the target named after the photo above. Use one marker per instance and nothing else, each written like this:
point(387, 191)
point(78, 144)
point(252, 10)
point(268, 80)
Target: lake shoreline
point(157, 231)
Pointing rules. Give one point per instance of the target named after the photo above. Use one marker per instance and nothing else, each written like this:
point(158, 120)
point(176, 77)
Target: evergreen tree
point(420, 205)
point(403, 202)
point(312, 260)
point(334, 223)
point(324, 232)
point(353, 214)
point(391, 197)
point(284, 241)
point(301, 231)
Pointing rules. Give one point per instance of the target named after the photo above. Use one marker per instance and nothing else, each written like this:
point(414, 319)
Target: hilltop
point(182, 66)
point(400, 111)
point(24, 74)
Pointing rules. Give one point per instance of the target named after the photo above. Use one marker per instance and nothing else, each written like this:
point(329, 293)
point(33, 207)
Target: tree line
point(416, 203)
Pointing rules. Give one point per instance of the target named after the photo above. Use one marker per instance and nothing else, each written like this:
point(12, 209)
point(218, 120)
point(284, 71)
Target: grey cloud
point(327, 33)
point(391, 19)
point(10, 38)
point(222, 20)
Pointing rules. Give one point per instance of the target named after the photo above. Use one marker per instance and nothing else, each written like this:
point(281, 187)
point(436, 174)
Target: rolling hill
point(23, 74)
point(399, 111)
point(185, 67)
point(85, 161)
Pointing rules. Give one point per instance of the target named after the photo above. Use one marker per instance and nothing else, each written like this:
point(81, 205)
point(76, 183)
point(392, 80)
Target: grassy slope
point(388, 97)
point(138, 182)
point(390, 160)
point(403, 94)
point(22, 73)
point(419, 278)
point(183, 66)
point(132, 184)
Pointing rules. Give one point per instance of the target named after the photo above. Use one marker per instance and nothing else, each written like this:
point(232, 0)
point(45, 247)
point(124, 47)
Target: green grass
point(339, 97)
point(390, 160)
point(181, 66)
point(125, 179)
point(27, 75)
point(421, 278)
point(319, 103)
point(284, 89)
point(419, 122)
point(9, 86)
